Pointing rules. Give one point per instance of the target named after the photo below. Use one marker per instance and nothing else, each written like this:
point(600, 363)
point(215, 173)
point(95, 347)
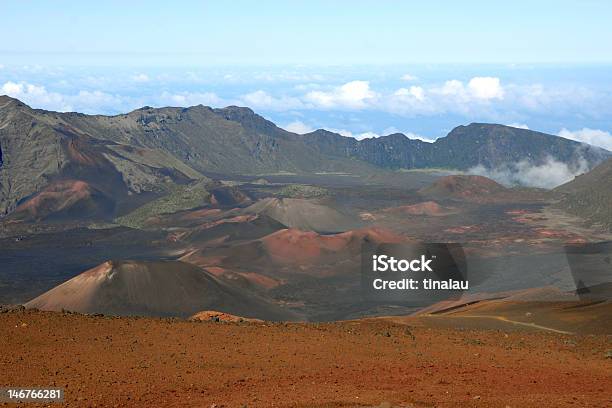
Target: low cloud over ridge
point(549, 174)
point(593, 137)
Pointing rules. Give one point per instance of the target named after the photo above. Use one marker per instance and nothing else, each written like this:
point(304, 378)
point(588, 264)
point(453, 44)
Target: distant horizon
point(134, 60)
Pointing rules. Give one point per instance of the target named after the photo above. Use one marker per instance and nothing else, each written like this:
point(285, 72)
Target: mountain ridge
point(397, 151)
point(147, 149)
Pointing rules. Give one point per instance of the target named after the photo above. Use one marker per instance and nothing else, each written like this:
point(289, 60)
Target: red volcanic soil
point(469, 187)
point(300, 247)
point(72, 198)
point(136, 362)
point(430, 208)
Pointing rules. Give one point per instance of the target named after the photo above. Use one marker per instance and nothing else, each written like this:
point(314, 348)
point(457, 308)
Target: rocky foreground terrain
point(122, 362)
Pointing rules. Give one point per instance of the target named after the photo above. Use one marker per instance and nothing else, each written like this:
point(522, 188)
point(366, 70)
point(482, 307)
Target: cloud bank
point(40, 97)
point(549, 174)
point(594, 137)
point(352, 95)
point(359, 103)
point(482, 96)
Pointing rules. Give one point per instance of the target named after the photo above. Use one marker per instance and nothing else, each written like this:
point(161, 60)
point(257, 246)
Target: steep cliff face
point(396, 151)
point(228, 140)
point(493, 145)
point(464, 147)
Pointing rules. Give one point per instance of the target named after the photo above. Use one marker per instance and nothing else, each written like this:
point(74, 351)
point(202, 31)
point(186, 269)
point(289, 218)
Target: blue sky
point(309, 32)
point(364, 68)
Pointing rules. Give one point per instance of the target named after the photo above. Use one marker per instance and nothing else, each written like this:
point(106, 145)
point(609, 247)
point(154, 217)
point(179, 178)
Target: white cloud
point(518, 125)
point(392, 129)
point(477, 98)
point(411, 135)
point(263, 100)
point(82, 101)
point(369, 134)
point(298, 127)
point(481, 96)
point(452, 87)
point(259, 98)
point(351, 95)
point(408, 77)
point(416, 92)
point(191, 99)
point(593, 137)
point(36, 96)
point(478, 88)
point(549, 174)
point(354, 135)
point(363, 135)
point(140, 78)
point(12, 89)
point(486, 88)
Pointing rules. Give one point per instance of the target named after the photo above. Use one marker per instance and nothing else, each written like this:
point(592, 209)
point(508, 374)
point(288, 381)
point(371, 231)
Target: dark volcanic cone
point(161, 288)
